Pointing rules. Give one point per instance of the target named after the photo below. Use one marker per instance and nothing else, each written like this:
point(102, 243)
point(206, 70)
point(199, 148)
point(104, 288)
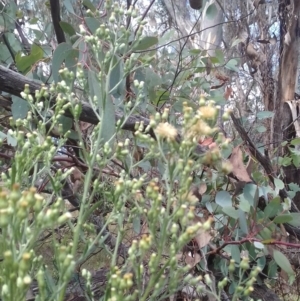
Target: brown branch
point(266, 164)
point(14, 83)
point(55, 14)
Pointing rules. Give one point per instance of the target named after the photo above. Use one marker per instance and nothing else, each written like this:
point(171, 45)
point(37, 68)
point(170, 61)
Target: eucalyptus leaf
point(243, 221)
point(283, 218)
point(25, 63)
point(220, 56)
point(264, 114)
point(231, 212)
point(295, 219)
point(284, 263)
point(145, 43)
point(258, 245)
point(136, 223)
point(232, 65)
point(64, 53)
point(69, 6)
point(278, 183)
point(273, 208)
point(250, 192)
point(223, 199)
point(92, 23)
point(11, 140)
point(105, 108)
point(236, 253)
point(211, 11)
point(66, 123)
point(295, 141)
point(67, 28)
point(19, 108)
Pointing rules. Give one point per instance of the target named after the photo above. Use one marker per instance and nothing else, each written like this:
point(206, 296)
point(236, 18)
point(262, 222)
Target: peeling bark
point(289, 12)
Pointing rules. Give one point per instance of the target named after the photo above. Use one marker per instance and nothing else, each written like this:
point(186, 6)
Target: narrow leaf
point(283, 218)
point(284, 263)
point(145, 43)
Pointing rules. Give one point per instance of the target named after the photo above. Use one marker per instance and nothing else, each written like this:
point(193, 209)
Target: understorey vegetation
point(144, 156)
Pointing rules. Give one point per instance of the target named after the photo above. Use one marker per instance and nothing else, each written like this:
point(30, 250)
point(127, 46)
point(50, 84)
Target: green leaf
point(92, 23)
point(266, 233)
point(244, 204)
point(295, 219)
point(235, 42)
point(33, 21)
point(223, 199)
point(272, 208)
point(136, 223)
point(295, 141)
point(284, 263)
point(105, 107)
point(296, 160)
point(261, 262)
point(73, 135)
point(261, 129)
point(13, 42)
point(66, 123)
point(230, 211)
point(285, 161)
point(2, 135)
point(116, 78)
point(151, 78)
point(5, 55)
point(59, 56)
point(11, 140)
point(196, 51)
point(67, 28)
point(69, 6)
point(220, 56)
point(294, 187)
point(211, 11)
point(235, 253)
point(89, 5)
point(243, 221)
point(19, 108)
point(283, 218)
point(250, 193)
point(278, 183)
point(26, 62)
point(144, 43)
point(232, 65)
point(64, 53)
point(167, 37)
point(264, 114)
point(258, 245)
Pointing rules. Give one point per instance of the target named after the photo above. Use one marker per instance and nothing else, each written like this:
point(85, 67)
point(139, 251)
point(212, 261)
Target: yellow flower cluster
point(207, 112)
point(167, 131)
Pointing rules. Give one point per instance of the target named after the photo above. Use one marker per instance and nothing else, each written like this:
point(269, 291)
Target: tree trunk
point(289, 13)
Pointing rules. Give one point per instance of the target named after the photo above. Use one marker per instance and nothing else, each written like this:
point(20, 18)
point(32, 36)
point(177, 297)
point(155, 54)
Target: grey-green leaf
point(19, 108)
point(223, 199)
point(145, 43)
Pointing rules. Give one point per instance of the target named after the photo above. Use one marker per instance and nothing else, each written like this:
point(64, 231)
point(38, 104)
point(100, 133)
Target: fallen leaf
point(192, 259)
point(238, 167)
point(228, 92)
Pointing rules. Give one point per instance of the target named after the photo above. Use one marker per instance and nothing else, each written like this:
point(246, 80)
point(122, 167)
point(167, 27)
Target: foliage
point(170, 207)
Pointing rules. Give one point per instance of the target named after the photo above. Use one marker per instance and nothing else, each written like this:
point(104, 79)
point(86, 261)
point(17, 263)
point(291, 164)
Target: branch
point(266, 164)
point(55, 14)
point(14, 83)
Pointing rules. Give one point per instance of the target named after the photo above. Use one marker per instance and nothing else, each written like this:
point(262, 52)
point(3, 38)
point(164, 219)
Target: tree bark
point(289, 12)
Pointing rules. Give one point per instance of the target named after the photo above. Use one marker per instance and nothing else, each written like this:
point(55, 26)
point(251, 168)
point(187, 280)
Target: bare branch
point(55, 14)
